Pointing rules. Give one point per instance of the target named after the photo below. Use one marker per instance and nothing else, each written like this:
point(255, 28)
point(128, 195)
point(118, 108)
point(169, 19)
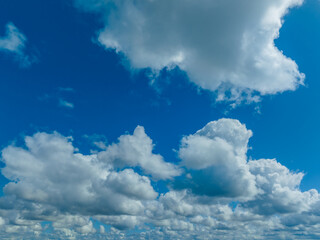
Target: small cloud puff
point(66, 104)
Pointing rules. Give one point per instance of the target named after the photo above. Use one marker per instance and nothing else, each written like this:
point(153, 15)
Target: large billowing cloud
point(14, 42)
point(215, 157)
point(219, 44)
point(57, 192)
point(49, 172)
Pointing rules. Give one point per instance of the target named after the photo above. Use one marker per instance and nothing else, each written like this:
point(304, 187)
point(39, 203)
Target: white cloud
point(121, 222)
point(220, 44)
point(82, 225)
point(59, 97)
point(216, 160)
point(280, 189)
point(58, 193)
point(216, 163)
point(50, 172)
point(14, 42)
point(136, 151)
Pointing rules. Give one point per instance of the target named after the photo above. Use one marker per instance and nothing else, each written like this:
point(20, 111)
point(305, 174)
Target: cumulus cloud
point(14, 42)
point(136, 151)
point(221, 45)
point(50, 172)
point(216, 161)
point(216, 191)
point(280, 189)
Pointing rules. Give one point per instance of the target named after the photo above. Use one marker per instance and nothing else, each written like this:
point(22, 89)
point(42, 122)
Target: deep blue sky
point(109, 100)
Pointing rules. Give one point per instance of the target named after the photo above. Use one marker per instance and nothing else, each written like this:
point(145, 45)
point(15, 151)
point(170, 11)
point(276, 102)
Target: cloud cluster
point(50, 172)
point(214, 192)
point(221, 45)
point(14, 42)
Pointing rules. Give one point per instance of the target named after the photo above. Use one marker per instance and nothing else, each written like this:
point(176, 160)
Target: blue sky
point(85, 69)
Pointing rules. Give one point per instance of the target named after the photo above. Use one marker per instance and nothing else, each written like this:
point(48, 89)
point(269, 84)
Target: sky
point(149, 119)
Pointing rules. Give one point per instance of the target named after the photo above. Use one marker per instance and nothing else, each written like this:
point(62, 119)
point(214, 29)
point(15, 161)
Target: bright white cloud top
point(214, 192)
point(221, 45)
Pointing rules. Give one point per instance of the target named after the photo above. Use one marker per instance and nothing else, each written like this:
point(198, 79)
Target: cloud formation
point(221, 45)
point(49, 172)
point(57, 192)
point(14, 42)
point(136, 151)
point(216, 161)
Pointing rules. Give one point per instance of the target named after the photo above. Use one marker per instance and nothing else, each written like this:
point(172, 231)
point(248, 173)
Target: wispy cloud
point(64, 103)
point(14, 42)
point(58, 96)
point(65, 89)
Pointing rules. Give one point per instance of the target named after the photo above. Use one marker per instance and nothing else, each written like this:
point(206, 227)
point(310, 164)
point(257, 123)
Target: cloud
point(216, 191)
point(58, 96)
point(136, 151)
point(280, 189)
point(66, 104)
point(221, 45)
point(14, 42)
point(50, 172)
point(62, 102)
point(215, 158)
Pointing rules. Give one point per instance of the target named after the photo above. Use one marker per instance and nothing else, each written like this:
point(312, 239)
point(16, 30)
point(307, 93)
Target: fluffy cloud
point(14, 42)
point(50, 172)
point(216, 192)
point(216, 165)
point(216, 161)
point(219, 44)
point(280, 189)
point(136, 151)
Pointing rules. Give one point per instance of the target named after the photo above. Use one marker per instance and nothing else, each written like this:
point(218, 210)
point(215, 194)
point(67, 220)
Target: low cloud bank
point(214, 191)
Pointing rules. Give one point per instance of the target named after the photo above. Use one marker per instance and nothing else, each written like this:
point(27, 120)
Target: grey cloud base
point(221, 45)
point(215, 192)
